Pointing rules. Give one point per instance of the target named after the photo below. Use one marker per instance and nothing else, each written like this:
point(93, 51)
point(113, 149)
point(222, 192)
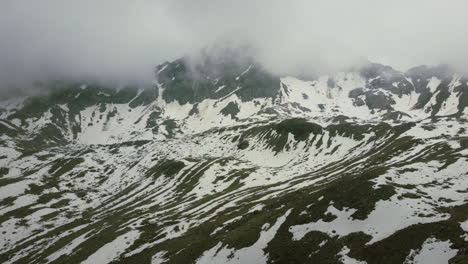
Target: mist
point(121, 41)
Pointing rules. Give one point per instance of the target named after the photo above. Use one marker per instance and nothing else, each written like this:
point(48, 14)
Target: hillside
point(239, 165)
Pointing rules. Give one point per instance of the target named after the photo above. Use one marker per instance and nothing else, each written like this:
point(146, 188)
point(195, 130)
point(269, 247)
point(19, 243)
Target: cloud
point(122, 41)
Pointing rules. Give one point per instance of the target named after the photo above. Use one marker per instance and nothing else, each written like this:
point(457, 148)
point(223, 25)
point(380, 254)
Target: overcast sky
point(124, 40)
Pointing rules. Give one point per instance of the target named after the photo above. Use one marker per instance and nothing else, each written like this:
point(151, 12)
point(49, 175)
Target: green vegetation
point(4, 171)
point(62, 166)
point(231, 109)
point(152, 119)
point(7, 181)
point(45, 198)
point(167, 167)
point(185, 205)
point(8, 201)
point(300, 128)
point(243, 144)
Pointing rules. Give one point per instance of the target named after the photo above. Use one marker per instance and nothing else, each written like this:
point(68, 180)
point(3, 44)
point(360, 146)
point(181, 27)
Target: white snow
point(433, 84)
point(432, 252)
point(68, 249)
point(112, 250)
point(14, 189)
point(346, 259)
point(464, 226)
point(247, 70)
point(290, 169)
point(220, 88)
point(387, 218)
point(250, 255)
point(7, 125)
point(163, 68)
point(158, 258)
point(450, 105)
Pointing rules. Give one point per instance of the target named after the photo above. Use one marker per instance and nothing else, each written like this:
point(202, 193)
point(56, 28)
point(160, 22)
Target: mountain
point(226, 162)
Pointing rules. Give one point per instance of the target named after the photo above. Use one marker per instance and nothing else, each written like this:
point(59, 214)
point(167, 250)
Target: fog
point(122, 41)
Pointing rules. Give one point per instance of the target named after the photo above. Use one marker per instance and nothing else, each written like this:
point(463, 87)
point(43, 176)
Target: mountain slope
point(238, 166)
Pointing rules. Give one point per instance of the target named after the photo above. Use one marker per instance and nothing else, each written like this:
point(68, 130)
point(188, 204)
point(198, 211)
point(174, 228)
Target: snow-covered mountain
point(229, 163)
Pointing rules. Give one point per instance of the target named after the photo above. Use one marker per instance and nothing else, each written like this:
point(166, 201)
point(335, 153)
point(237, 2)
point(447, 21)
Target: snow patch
point(432, 252)
point(250, 255)
point(112, 250)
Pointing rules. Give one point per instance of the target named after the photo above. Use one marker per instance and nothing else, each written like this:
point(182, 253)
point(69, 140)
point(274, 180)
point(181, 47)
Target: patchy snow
point(250, 255)
point(439, 184)
point(8, 106)
point(464, 226)
point(106, 128)
point(450, 105)
point(11, 155)
point(103, 94)
point(68, 249)
point(112, 170)
point(21, 201)
point(112, 250)
point(14, 189)
point(220, 88)
point(225, 224)
point(247, 70)
point(388, 217)
point(7, 125)
point(426, 130)
point(209, 182)
point(163, 68)
point(433, 251)
point(158, 258)
point(346, 259)
point(257, 207)
point(433, 84)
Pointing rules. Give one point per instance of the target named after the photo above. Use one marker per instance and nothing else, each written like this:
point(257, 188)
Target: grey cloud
point(122, 41)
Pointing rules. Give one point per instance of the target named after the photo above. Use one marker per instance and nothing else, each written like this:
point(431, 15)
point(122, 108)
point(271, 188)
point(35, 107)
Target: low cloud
point(122, 41)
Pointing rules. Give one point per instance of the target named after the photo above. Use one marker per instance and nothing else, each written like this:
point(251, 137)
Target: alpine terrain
point(226, 162)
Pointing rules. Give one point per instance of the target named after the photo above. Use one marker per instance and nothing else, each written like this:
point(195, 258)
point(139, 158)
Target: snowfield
point(339, 169)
